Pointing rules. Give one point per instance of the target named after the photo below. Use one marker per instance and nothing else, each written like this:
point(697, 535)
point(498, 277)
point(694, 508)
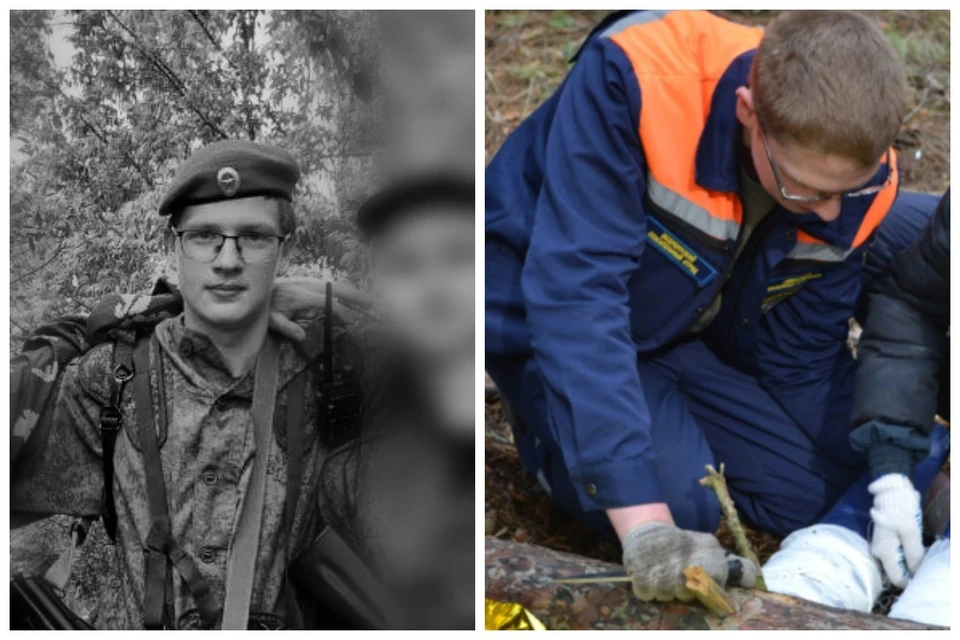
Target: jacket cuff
point(887, 458)
point(623, 483)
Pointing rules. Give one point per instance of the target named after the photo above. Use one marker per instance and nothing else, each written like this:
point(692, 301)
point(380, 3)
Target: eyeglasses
point(204, 245)
point(866, 191)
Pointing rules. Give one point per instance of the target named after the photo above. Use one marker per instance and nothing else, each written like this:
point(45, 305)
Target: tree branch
point(710, 594)
point(216, 45)
point(718, 484)
point(196, 17)
point(136, 165)
point(56, 254)
point(179, 86)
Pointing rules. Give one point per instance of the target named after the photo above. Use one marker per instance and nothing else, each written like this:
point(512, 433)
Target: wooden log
point(524, 573)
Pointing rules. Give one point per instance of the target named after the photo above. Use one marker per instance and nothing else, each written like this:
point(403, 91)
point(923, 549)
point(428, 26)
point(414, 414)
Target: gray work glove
point(656, 554)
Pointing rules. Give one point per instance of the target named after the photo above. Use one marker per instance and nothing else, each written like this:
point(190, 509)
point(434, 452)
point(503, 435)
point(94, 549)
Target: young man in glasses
point(676, 242)
point(202, 416)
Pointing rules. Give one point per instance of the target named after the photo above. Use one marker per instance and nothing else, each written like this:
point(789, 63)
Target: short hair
point(829, 81)
point(288, 218)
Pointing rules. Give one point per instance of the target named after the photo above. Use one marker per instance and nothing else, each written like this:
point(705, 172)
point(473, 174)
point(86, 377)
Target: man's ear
point(170, 249)
point(169, 240)
point(283, 260)
point(746, 113)
point(170, 256)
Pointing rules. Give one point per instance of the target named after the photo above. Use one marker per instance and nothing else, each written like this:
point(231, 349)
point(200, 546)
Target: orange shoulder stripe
point(678, 61)
point(875, 214)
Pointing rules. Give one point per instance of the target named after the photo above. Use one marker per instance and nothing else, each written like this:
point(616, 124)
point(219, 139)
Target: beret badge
point(229, 181)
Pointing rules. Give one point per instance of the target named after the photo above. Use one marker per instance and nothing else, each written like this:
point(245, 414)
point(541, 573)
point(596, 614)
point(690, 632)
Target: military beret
point(399, 198)
point(231, 169)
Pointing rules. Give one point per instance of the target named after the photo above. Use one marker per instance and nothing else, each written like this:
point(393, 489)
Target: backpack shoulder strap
point(111, 421)
point(296, 397)
point(156, 545)
point(295, 429)
point(159, 548)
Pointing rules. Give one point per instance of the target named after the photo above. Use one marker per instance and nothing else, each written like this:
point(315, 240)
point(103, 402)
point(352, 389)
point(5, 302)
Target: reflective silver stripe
point(634, 19)
point(819, 252)
point(690, 212)
point(542, 479)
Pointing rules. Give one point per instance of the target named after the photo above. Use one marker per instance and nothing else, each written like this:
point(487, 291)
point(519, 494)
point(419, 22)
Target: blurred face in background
point(421, 268)
point(229, 289)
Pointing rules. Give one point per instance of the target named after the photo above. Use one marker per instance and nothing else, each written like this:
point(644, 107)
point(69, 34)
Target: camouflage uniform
point(206, 439)
point(207, 450)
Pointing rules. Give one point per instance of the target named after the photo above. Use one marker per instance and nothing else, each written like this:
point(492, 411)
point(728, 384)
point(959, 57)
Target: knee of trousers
point(828, 564)
point(696, 509)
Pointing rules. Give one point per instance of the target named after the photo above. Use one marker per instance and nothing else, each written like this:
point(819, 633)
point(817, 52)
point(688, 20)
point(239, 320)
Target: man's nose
point(829, 209)
point(229, 256)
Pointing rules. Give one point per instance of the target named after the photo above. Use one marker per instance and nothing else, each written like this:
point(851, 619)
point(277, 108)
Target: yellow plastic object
point(509, 616)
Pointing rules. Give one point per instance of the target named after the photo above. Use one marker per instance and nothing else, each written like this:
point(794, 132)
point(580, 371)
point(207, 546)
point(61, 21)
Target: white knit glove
point(897, 527)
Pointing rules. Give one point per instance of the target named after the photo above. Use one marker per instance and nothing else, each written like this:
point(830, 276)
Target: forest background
point(105, 105)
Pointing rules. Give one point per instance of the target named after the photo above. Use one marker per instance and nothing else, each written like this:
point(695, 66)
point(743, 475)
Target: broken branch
point(718, 484)
point(710, 594)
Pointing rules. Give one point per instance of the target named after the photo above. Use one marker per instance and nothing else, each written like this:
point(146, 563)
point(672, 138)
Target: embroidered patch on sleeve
point(680, 253)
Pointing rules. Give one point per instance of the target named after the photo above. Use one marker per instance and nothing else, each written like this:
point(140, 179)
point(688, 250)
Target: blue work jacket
point(590, 264)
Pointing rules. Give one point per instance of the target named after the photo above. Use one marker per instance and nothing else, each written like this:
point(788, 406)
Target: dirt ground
point(526, 59)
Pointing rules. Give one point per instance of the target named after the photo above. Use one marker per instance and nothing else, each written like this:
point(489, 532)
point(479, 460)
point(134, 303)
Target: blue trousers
point(704, 411)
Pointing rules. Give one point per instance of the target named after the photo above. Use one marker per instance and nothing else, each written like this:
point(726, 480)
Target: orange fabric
point(678, 61)
point(881, 204)
point(875, 214)
point(806, 238)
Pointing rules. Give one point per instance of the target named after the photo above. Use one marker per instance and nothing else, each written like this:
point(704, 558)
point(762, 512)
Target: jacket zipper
point(758, 238)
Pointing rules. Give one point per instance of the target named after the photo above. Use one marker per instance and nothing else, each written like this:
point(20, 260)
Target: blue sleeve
point(587, 240)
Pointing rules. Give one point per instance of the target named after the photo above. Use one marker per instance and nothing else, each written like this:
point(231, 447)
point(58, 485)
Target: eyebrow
point(803, 185)
point(241, 230)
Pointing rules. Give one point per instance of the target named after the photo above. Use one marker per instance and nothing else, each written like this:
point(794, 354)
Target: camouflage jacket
point(206, 448)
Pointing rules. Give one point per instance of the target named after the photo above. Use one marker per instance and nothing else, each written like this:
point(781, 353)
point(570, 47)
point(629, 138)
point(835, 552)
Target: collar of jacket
point(200, 361)
point(718, 160)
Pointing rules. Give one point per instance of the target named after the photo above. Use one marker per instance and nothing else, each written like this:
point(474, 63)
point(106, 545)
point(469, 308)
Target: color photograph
point(717, 320)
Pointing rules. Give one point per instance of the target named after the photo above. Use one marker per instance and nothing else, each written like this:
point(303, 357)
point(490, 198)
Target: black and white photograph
point(242, 319)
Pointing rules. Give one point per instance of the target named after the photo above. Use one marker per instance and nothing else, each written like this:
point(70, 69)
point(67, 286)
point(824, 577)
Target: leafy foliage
point(96, 141)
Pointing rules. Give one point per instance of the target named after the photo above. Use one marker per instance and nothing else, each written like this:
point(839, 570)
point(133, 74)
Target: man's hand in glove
point(656, 554)
point(897, 527)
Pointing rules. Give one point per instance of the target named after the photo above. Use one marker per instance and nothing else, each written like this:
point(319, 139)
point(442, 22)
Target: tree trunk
point(522, 573)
